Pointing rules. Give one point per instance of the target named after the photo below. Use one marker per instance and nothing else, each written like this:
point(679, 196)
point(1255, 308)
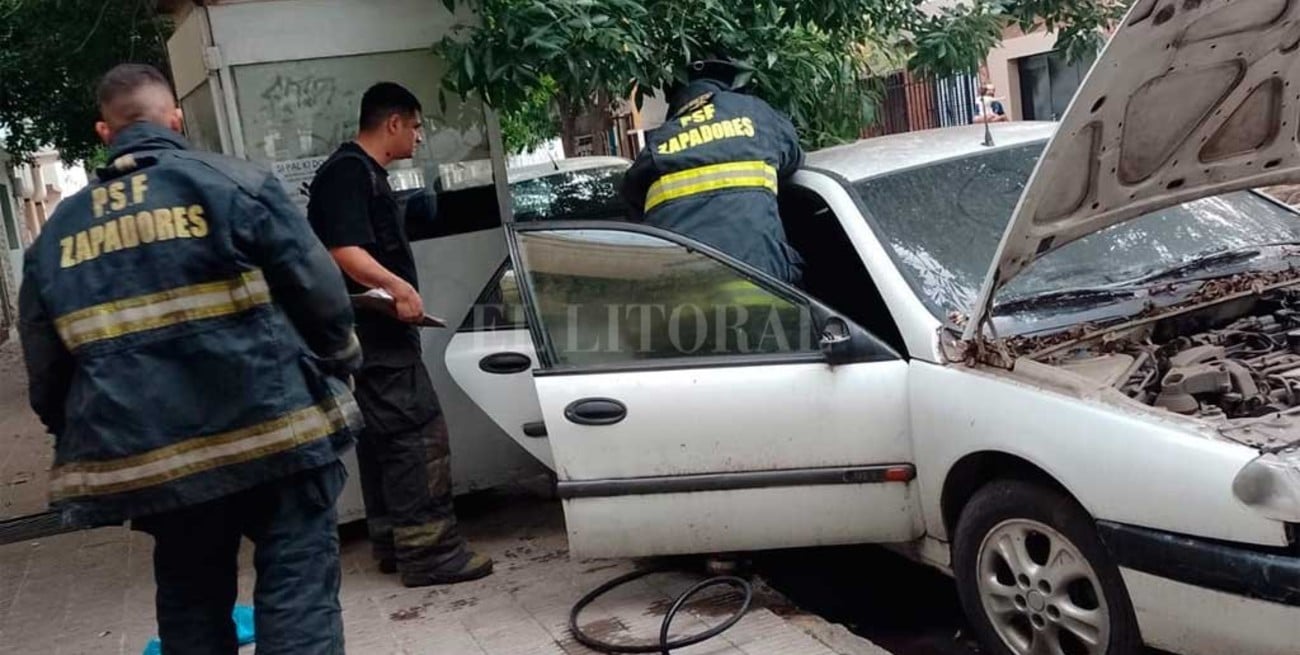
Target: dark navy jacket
point(711, 172)
point(169, 316)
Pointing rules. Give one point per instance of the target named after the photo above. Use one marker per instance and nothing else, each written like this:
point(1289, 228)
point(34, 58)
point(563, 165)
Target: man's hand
point(410, 307)
point(360, 266)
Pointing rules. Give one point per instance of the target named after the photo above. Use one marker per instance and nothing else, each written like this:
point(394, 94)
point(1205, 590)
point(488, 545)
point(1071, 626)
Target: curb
point(835, 636)
point(36, 526)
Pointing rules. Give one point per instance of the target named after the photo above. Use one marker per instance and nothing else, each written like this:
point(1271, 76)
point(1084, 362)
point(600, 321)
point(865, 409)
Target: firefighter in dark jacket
point(711, 172)
point(404, 454)
point(185, 334)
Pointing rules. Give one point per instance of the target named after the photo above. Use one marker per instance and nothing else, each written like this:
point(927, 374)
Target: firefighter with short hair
point(186, 338)
point(404, 454)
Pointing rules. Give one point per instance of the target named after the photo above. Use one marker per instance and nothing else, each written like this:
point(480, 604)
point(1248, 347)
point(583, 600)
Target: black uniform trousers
point(404, 460)
point(292, 524)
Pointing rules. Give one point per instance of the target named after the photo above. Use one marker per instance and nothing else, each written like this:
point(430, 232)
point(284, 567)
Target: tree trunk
point(568, 126)
point(604, 123)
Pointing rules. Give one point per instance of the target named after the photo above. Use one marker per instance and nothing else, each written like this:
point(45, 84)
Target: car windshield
point(570, 195)
point(944, 222)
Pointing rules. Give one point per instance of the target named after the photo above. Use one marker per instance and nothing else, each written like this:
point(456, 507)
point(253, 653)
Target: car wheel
point(1034, 578)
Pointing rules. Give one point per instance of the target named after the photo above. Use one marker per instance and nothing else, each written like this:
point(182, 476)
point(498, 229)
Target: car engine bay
point(1234, 364)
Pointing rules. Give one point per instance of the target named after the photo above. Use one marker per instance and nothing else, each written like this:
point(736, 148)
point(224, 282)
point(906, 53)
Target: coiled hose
point(664, 647)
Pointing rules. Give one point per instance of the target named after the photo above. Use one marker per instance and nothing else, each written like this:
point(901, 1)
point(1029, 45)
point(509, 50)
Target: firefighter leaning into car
point(186, 338)
point(712, 170)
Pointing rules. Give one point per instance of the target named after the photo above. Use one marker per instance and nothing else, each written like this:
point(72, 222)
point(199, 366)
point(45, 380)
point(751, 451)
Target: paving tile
point(25, 449)
point(522, 637)
point(756, 626)
point(373, 645)
point(29, 644)
point(14, 567)
point(784, 642)
point(484, 622)
point(420, 639)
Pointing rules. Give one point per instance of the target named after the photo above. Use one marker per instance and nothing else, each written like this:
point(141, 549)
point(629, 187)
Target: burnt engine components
point(1247, 368)
point(1200, 371)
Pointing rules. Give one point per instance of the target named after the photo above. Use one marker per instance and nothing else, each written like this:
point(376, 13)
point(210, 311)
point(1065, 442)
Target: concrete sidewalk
point(92, 592)
point(25, 450)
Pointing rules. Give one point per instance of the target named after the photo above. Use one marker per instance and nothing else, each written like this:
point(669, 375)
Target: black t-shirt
point(353, 205)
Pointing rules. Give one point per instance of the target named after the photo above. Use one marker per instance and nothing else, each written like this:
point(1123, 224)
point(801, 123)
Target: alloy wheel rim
point(1040, 593)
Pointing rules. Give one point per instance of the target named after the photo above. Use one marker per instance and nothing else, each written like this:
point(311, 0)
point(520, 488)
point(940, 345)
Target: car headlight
point(1271, 485)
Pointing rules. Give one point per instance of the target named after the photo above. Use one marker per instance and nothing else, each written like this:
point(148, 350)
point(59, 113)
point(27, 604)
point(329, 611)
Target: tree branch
point(93, 28)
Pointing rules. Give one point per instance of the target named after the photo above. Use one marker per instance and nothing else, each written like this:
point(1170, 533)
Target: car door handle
point(536, 429)
point(505, 363)
point(595, 411)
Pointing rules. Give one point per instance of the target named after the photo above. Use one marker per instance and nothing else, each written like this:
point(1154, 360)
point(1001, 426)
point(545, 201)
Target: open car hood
point(1191, 98)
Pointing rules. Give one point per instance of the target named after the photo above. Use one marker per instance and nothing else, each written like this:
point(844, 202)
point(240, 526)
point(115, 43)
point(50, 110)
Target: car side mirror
point(836, 341)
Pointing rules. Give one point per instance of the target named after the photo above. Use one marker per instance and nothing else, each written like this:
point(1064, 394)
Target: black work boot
point(468, 566)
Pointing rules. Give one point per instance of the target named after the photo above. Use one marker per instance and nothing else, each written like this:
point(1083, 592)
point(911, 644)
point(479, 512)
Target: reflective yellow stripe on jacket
point(165, 308)
point(199, 454)
point(733, 175)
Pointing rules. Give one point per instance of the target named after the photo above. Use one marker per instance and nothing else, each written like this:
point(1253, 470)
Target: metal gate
point(908, 104)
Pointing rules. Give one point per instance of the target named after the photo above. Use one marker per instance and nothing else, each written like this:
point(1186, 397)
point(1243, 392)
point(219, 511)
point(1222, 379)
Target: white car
point(1091, 423)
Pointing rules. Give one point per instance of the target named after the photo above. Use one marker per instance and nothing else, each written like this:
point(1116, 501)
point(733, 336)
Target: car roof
point(880, 155)
point(538, 171)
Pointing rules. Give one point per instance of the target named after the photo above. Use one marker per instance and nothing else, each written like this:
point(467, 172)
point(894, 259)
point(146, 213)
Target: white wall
point(185, 52)
point(286, 30)
point(72, 178)
point(654, 111)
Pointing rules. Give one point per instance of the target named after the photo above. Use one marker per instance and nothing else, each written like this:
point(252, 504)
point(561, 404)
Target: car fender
point(1122, 465)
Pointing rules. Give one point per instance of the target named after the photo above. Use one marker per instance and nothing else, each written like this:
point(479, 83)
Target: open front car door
point(694, 405)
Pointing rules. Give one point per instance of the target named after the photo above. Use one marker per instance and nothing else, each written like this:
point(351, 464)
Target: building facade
point(1032, 75)
point(29, 193)
point(1034, 80)
point(10, 247)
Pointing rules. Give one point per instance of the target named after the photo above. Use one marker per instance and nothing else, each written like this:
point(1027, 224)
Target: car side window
point(609, 297)
point(833, 272)
point(499, 307)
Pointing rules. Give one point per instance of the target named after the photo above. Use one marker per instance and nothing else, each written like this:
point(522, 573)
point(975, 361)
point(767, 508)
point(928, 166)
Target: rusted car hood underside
point(1190, 99)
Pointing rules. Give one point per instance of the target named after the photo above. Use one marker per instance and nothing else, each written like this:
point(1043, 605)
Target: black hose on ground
point(664, 647)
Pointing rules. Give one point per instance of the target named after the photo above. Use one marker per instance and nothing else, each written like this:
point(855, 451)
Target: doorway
point(1048, 83)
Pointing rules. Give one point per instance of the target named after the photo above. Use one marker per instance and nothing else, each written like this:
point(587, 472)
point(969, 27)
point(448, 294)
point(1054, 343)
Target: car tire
point(1029, 566)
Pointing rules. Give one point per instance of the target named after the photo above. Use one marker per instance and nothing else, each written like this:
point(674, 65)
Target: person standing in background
point(404, 455)
point(988, 107)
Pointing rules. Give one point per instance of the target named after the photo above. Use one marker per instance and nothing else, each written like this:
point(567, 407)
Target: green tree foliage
point(1076, 21)
point(52, 53)
point(813, 57)
point(532, 123)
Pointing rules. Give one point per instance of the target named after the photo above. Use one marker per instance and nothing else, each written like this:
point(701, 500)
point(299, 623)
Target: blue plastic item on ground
point(243, 617)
